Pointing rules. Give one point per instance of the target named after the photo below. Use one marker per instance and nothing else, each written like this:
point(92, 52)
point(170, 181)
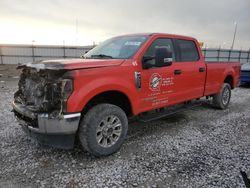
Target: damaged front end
point(40, 105)
point(44, 90)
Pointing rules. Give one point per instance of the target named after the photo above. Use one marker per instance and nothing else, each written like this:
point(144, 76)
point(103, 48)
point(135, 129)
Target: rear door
point(189, 71)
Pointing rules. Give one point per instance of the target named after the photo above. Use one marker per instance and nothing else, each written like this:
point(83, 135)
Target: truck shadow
point(137, 132)
point(245, 86)
point(138, 129)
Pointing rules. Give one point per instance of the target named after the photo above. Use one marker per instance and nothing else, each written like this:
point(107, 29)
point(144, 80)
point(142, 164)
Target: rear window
point(188, 50)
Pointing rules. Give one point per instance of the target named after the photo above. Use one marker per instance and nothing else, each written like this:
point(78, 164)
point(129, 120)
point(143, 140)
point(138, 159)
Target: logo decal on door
point(155, 82)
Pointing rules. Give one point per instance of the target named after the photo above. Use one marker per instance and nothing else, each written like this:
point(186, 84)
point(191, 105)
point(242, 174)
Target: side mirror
point(163, 57)
point(145, 62)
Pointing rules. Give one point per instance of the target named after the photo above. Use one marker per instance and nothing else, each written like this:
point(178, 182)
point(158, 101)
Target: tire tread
point(85, 127)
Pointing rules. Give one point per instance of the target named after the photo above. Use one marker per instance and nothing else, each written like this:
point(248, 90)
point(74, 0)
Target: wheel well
point(229, 80)
point(112, 97)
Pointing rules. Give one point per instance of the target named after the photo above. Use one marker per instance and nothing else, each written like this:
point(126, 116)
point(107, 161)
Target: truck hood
point(245, 67)
point(73, 64)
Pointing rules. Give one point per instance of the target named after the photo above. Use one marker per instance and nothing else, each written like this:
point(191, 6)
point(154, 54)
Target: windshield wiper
point(101, 56)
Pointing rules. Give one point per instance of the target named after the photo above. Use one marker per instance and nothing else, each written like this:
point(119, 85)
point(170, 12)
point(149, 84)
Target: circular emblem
point(155, 82)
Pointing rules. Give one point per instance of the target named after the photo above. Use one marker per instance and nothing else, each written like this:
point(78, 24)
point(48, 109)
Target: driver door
point(157, 83)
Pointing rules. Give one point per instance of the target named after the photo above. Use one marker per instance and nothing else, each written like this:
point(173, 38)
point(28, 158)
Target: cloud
point(209, 21)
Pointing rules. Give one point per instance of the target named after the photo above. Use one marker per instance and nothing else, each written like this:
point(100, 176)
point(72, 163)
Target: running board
point(168, 112)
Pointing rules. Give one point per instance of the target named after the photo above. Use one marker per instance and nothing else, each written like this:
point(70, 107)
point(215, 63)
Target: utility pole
point(235, 31)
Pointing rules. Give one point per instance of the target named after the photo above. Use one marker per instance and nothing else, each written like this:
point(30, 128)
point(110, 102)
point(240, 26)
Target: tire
point(222, 99)
point(103, 129)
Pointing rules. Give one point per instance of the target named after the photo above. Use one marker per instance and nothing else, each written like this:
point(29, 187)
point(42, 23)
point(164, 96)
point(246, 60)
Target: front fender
point(83, 93)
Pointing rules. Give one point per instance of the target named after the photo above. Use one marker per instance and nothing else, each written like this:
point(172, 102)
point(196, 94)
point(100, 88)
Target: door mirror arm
point(145, 61)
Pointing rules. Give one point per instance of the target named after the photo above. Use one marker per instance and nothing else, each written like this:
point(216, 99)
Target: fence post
point(240, 55)
point(248, 55)
point(218, 57)
point(205, 52)
point(1, 56)
point(64, 53)
point(33, 53)
point(229, 55)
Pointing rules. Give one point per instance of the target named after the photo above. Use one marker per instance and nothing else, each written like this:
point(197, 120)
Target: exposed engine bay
point(43, 90)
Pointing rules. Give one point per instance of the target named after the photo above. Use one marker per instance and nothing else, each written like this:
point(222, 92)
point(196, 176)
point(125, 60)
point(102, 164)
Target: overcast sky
point(82, 22)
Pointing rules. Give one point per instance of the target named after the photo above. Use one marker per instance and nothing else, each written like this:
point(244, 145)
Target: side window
point(188, 50)
point(159, 43)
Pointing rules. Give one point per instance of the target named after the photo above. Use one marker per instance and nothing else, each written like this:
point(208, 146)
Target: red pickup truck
point(144, 75)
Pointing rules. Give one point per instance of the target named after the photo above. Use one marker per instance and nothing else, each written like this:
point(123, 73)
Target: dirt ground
point(203, 147)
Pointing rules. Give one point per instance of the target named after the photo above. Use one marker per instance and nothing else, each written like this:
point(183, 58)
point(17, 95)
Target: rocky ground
point(203, 147)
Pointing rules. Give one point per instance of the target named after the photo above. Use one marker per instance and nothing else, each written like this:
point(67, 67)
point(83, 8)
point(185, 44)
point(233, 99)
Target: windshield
point(123, 47)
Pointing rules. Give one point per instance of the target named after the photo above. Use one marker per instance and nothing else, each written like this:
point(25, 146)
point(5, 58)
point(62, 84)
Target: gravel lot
point(203, 147)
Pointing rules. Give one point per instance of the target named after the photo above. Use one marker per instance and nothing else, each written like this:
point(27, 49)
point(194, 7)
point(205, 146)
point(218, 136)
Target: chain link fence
point(226, 55)
point(15, 54)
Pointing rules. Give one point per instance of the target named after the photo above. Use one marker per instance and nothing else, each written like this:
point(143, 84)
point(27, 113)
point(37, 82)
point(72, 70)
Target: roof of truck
point(161, 34)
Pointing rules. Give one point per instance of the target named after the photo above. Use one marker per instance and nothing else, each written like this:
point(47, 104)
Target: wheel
point(103, 129)
point(222, 99)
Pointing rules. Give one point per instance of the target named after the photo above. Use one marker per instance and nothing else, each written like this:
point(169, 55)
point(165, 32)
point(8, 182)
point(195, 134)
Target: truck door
point(182, 81)
point(157, 83)
point(189, 71)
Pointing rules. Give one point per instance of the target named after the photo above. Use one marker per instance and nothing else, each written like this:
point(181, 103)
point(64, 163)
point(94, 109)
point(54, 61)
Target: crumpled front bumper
point(58, 132)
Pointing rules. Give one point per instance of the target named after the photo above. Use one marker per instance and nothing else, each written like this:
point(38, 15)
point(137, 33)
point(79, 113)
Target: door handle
point(202, 69)
point(177, 72)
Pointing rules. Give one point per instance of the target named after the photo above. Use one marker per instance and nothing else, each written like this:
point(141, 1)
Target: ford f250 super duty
point(147, 76)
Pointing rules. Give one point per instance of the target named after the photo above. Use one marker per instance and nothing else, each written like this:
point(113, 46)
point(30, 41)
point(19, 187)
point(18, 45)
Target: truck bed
point(216, 72)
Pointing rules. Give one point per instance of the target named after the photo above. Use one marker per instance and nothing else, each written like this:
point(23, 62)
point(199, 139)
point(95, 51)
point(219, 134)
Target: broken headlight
point(67, 89)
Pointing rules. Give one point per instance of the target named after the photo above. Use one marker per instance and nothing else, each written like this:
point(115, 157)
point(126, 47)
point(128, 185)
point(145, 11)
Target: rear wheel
point(103, 129)
point(222, 99)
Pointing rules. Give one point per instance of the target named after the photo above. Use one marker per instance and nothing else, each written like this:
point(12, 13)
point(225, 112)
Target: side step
point(168, 111)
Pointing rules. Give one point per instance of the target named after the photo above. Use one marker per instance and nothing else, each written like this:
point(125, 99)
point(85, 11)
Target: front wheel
point(222, 99)
point(103, 129)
